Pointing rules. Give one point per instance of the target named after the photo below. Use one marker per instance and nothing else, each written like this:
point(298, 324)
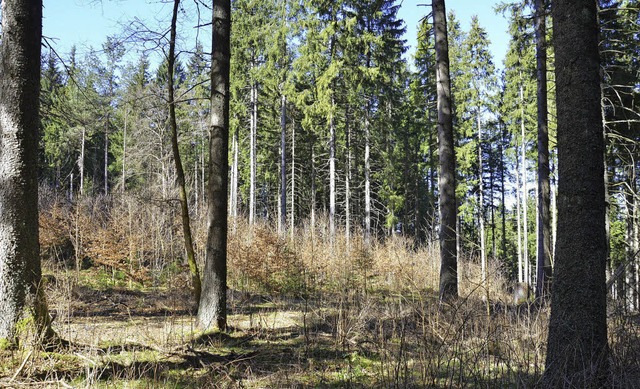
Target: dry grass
point(304, 312)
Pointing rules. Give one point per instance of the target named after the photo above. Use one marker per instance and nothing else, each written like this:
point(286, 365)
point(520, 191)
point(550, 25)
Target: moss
point(24, 325)
point(6, 344)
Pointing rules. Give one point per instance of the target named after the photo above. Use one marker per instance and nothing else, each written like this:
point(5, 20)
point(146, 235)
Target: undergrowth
point(304, 311)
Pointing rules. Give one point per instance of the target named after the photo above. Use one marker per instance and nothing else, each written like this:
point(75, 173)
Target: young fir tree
point(518, 112)
point(423, 103)
point(473, 94)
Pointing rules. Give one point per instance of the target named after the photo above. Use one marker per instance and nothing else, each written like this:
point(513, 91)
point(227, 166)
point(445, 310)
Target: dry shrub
point(136, 236)
point(260, 258)
point(55, 239)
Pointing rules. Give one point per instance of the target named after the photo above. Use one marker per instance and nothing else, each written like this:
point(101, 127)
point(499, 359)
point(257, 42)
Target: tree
point(577, 352)
point(543, 279)
point(446, 180)
point(20, 272)
point(213, 302)
point(474, 88)
point(175, 147)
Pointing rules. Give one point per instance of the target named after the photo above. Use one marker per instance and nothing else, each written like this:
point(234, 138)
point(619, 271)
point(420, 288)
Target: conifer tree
point(446, 179)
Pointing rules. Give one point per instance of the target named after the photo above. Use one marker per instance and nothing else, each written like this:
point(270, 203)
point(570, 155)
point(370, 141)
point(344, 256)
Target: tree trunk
point(503, 211)
point(175, 147)
point(347, 182)
point(543, 282)
point(446, 181)
point(213, 302)
point(313, 189)
point(20, 271)
point(519, 219)
point(367, 180)
point(630, 248)
point(483, 249)
point(253, 153)
point(283, 165)
point(234, 180)
point(81, 160)
point(293, 178)
point(525, 195)
point(332, 173)
point(124, 152)
point(106, 156)
point(577, 351)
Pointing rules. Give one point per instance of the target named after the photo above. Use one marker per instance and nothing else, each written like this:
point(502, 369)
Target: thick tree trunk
point(213, 303)
point(543, 279)
point(20, 272)
point(446, 181)
point(577, 351)
point(175, 147)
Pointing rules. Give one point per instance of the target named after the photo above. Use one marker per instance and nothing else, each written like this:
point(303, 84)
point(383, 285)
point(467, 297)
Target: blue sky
point(496, 25)
point(86, 23)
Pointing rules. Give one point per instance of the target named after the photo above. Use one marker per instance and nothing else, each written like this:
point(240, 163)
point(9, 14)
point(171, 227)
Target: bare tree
point(175, 147)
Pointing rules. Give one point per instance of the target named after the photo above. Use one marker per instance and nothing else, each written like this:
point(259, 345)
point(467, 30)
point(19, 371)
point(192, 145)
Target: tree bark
point(175, 147)
point(447, 162)
point(577, 351)
point(543, 279)
point(213, 302)
point(20, 271)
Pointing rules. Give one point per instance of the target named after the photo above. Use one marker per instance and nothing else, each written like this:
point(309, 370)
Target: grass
point(303, 312)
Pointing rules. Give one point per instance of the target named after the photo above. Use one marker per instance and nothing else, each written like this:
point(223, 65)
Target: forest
point(266, 194)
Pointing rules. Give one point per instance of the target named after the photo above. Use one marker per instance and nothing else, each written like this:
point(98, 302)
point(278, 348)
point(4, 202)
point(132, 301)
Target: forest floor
point(122, 334)
point(305, 311)
point(125, 335)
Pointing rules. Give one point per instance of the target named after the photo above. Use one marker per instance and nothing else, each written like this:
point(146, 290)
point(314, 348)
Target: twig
point(22, 365)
